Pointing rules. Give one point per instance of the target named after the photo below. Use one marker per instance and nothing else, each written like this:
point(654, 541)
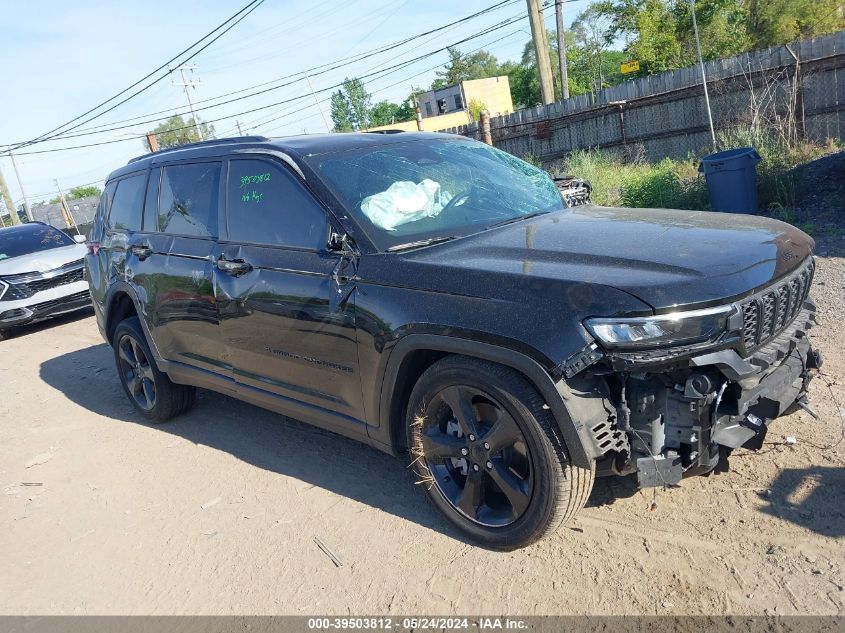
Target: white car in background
point(41, 274)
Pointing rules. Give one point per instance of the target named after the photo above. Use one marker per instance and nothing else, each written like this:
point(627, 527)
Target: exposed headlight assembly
point(678, 328)
point(3, 288)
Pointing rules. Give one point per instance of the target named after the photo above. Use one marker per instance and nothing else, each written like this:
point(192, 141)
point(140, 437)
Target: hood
point(42, 261)
point(665, 258)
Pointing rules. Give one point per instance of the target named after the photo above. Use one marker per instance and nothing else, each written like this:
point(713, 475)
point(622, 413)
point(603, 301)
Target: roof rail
point(213, 141)
point(384, 131)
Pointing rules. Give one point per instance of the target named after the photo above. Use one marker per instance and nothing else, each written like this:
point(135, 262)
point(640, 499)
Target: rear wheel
point(151, 391)
point(490, 454)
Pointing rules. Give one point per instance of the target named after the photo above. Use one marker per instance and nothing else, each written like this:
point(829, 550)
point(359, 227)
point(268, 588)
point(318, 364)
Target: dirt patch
point(223, 510)
point(821, 192)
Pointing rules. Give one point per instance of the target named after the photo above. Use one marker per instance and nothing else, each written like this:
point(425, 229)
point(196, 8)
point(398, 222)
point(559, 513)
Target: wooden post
point(7, 198)
point(152, 139)
point(419, 115)
point(541, 47)
point(484, 123)
point(561, 51)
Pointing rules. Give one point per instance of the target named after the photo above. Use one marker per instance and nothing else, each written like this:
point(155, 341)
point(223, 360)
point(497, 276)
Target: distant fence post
point(484, 121)
point(623, 135)
point(798, 97)
point(419, 116)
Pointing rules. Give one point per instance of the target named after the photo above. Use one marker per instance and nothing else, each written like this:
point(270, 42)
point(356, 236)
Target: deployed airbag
point(403, 202)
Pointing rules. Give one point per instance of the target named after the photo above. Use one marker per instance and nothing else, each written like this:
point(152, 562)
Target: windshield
point(30, 238)
point(431, 189)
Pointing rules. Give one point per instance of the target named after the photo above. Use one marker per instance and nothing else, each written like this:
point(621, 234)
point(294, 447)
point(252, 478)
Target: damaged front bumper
point(674, 413)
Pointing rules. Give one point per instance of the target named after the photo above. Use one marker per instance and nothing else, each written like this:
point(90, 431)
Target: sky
point(59, 59)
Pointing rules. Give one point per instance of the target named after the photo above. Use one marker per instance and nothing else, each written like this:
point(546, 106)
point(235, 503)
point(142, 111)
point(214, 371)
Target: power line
point(383, 88)
point(316, 70)
point(249, 8)
point(387, 70)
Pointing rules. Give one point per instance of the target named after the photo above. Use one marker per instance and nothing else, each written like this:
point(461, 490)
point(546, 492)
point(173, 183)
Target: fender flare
point(125, 288)
point(574, 432)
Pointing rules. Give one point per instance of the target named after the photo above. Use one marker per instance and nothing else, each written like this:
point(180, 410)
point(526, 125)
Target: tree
point(659, 33)
point(583, 70)
point(387, 112)
point(478, 65)
point(75, 193)
point(178, 131)
point(773, 22)
point(590, 31)
point(350, 106)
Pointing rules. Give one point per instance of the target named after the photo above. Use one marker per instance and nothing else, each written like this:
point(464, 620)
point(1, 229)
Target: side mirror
point(79, 239)
point(339, 243)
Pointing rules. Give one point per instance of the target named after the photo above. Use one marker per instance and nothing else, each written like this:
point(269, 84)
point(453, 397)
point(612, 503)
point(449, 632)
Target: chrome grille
point(24, 285)
point(770, 312)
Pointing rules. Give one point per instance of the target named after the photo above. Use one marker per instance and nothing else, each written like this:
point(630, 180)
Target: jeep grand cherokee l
point(430, 294)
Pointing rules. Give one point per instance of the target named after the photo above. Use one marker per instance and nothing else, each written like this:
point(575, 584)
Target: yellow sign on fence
point(629, 67)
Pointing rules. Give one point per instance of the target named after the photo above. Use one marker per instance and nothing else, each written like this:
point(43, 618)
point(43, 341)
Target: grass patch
point(677, 184)
point(667, 184)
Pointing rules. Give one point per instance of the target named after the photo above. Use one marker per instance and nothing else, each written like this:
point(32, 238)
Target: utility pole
point(703, 77)
point(319, 107)
point(152, 141)
point(7, 199)
point(20, 184)
point(186, 84)
point(561, 51)
point(240, 131)
point(541, 48)
point(69, 219)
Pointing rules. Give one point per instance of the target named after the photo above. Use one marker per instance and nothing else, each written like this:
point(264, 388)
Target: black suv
point(431, 294)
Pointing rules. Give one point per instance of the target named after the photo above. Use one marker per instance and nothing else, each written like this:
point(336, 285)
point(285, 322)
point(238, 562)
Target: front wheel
point(490, 454)
point(151, 391)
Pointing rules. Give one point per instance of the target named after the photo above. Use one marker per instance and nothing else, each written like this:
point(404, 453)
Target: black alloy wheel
point(150, 390)
point(477, 456)
point(490, 455)
point(136, 372)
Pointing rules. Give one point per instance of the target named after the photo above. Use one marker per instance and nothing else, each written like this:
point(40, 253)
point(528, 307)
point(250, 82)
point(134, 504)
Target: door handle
point(233, 266)
point(142, 251)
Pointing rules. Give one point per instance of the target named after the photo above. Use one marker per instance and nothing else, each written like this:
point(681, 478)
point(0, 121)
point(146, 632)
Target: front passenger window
point(268, 205)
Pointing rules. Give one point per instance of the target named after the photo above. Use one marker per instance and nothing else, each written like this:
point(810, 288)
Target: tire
point(151, 391)
point(5, 335)
point(509, 482)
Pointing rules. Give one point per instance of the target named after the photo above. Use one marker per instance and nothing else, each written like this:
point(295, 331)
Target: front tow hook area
point(736, 433)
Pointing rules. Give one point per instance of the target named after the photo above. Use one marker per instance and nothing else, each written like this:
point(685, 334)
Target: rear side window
point(268, 205)
point(125, 214)
point(102, 211)
point(188, 199)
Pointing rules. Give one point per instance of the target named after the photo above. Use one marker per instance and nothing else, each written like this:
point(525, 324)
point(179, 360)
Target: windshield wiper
point(518, 219)
point(420, 243)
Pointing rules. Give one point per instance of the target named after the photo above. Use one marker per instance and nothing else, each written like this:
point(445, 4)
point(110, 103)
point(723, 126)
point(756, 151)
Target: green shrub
point(664, 186)
point(668, 184)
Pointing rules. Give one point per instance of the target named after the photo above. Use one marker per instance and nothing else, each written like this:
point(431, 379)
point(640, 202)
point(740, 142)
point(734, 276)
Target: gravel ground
point(217, 512)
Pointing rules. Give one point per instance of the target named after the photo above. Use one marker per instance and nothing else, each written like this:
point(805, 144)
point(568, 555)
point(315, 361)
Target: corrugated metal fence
point(664, 115)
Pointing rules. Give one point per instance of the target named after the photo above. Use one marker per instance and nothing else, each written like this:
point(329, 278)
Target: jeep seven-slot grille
point(25, 285)
point(768, 313)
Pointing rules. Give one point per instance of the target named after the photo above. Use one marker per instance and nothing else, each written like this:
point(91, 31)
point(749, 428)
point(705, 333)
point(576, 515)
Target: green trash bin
point(732, 180)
